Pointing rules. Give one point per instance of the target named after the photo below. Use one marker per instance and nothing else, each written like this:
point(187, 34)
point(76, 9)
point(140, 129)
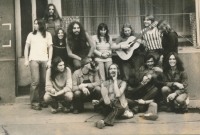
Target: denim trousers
point(38, 78)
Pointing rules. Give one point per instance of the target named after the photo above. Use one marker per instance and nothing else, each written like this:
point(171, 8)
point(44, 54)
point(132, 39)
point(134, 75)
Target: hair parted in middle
point(41, 25)
point(100, 27)
point(54, 69)
point(179, 63)
point(71, 35)
point(55, 15)
point(118, 71)
point(126, 25)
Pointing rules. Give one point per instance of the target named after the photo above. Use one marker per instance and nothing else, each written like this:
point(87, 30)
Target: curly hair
point(57, 40)
point(71, 37)
point(179, 63)
point(55, 15)
point(100, 27)
point(54, 70)
point(41, 25)
point(126, 25)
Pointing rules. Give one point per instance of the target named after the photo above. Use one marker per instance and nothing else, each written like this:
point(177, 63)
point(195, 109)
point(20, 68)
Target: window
point(117, 12)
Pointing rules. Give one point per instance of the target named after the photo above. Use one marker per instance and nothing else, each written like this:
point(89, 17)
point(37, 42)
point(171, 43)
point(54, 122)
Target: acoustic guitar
point(125, 54)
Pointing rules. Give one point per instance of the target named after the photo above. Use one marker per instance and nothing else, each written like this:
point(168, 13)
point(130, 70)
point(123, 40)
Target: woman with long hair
point(59, 46)
point(38, 41)
point(103, 51)
point(175, 92)
point(58, 85)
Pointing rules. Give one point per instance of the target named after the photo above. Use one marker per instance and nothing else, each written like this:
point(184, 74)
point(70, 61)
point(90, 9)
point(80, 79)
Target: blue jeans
point(38, 79)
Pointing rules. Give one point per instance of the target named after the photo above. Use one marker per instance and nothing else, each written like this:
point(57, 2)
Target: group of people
point(71, 67)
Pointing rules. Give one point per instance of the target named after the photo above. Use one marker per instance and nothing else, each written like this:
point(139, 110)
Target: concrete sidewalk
point(19, 119)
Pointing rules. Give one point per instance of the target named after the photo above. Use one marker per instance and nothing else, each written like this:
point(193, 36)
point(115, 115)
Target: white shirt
point(39, 46)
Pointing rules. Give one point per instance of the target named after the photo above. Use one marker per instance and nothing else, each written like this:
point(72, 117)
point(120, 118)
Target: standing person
point(103, 50)
point(137, 59)
point(175, 91)
point(52, 19)
point(169, 38)
point(79, 44)
point(143, 88)
point(38, 41)
point(152, 38)
point(59, 46)
point(113, 97)
point(86, 84)
point(58, 86)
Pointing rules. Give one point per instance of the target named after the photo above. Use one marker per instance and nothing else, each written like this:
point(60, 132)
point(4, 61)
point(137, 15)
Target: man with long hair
point(58, 85)
point(113, 98)
point(52, 19)
point(137, 58)
point(79, 44)
point(39, 59)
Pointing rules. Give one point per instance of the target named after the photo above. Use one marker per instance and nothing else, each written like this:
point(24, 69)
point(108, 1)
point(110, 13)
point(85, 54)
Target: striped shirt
point(153, 39)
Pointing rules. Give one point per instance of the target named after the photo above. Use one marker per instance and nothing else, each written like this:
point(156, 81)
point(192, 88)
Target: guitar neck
point(140, 35)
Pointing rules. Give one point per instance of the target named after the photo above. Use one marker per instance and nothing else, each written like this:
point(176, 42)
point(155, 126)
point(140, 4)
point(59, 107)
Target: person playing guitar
point(136, 59)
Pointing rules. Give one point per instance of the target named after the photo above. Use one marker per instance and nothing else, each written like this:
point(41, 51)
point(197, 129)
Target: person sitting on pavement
point(58, 86)
point(175, 91)
point(86, 84)
point(113, 97)
point(142, 89)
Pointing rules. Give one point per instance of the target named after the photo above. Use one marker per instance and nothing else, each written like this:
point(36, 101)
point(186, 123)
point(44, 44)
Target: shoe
point(43, 104)
point(76, 112)
point(150, 116)
point(99, 124)
point(66, 110)
point(135, 109)
point(53, 111)
point(34, 107)
point(127, 114)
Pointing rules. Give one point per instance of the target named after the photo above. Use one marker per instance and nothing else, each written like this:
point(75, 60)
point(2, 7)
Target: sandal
point(99, 124)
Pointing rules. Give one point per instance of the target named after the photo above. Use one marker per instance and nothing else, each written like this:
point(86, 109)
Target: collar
point(80, 74)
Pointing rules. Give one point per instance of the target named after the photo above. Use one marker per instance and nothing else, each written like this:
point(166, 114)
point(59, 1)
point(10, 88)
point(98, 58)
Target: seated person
point(86, 84)
point(113, 95)
point(142, 88)
point(175, 79)
point(79, 44)
point(58, 85)
point(103, 50)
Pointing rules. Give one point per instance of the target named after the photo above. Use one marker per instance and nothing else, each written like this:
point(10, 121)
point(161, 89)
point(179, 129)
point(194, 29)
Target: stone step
point(23, 99)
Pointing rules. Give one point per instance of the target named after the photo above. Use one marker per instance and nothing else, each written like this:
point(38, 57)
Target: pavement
point(19, 119)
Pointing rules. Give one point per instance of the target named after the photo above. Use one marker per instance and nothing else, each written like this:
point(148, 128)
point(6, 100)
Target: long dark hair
point(179, 63)
point(126, 25)
point(54, 64)
point(71, 36)
point(57, 40)
point(148, 57)
point(42, 28)
point(55, 14)
point(100, 27)
point(118, 71)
